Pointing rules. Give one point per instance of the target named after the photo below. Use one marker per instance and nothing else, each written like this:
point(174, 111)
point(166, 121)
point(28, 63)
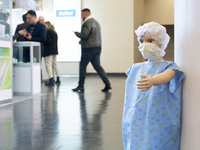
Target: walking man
point(91, 49)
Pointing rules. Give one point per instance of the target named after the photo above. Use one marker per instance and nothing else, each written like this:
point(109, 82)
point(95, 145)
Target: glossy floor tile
point(60, 119)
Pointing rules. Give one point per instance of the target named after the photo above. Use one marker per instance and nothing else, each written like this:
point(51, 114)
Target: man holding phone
point(36, 31)
point(90, 36)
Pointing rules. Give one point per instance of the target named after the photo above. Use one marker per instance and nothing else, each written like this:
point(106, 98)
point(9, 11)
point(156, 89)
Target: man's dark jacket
point(90, 34)
point(21, 27)
point(38, 34)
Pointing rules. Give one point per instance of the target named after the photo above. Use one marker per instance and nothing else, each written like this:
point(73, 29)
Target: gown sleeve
point(174, 83)
point(128, 71)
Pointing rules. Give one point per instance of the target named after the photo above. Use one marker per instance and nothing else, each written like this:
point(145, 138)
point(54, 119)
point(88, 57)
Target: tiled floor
point(60, 119)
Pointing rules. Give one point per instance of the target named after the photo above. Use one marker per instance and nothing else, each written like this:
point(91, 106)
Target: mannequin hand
point(147, 82)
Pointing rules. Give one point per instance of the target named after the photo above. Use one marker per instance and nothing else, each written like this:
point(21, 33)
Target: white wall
point(47, 5)
point(116, 20)
point(161, 11)
point(187, 38)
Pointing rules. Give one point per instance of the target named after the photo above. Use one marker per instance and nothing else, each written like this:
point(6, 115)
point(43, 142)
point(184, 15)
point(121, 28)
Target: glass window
point(5, 18)
point(36, 54)
point(29, 4)
point(21, 54)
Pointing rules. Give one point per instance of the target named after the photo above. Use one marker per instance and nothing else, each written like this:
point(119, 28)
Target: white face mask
point(150, 51)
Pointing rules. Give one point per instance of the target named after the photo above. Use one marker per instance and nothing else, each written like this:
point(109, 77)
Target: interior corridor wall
point(187, 39)
point(47, 5)
point(139, 13)
point(161, 11)
point(116, 20)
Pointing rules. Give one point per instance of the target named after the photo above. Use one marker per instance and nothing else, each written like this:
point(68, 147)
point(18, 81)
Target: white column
point(187, 56)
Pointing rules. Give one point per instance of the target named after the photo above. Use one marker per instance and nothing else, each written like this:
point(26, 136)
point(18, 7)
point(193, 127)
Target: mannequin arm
point(162, 78)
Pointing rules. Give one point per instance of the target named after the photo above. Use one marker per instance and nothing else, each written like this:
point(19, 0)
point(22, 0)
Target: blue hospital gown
point(151, 119)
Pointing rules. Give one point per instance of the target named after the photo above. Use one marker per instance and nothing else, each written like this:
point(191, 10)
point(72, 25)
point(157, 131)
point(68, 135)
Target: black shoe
point(107, 87)
point(58, 80)
point(50, 82)
point(78, 89)
point(46, 82)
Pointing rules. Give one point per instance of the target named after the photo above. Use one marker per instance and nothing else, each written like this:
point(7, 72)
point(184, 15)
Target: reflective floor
point(60, 119)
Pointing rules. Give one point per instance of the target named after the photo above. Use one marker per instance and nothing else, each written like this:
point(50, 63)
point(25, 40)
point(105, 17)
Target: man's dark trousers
point(91, 55)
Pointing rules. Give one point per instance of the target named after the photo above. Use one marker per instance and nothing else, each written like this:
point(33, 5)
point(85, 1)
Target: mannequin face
point(145, 39)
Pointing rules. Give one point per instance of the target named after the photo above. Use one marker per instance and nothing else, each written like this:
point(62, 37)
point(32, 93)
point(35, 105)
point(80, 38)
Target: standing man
point(36, 31)
point(91, 49)
point(19, 37)
point(41, 19)
point(21, 27)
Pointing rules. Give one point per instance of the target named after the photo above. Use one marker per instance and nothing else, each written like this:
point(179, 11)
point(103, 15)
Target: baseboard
point(93, 74)
point(5, 101)
point(109, 74)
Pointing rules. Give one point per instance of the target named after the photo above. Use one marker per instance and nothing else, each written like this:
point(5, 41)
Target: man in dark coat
point(21, 27)
point(36, 31)
point(91, 49)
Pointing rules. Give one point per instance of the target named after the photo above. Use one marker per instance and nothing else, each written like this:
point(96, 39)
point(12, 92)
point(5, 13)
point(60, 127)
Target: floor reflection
point(61, 119)
point(91, 137)
point(50, 121)
point(6, 127)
